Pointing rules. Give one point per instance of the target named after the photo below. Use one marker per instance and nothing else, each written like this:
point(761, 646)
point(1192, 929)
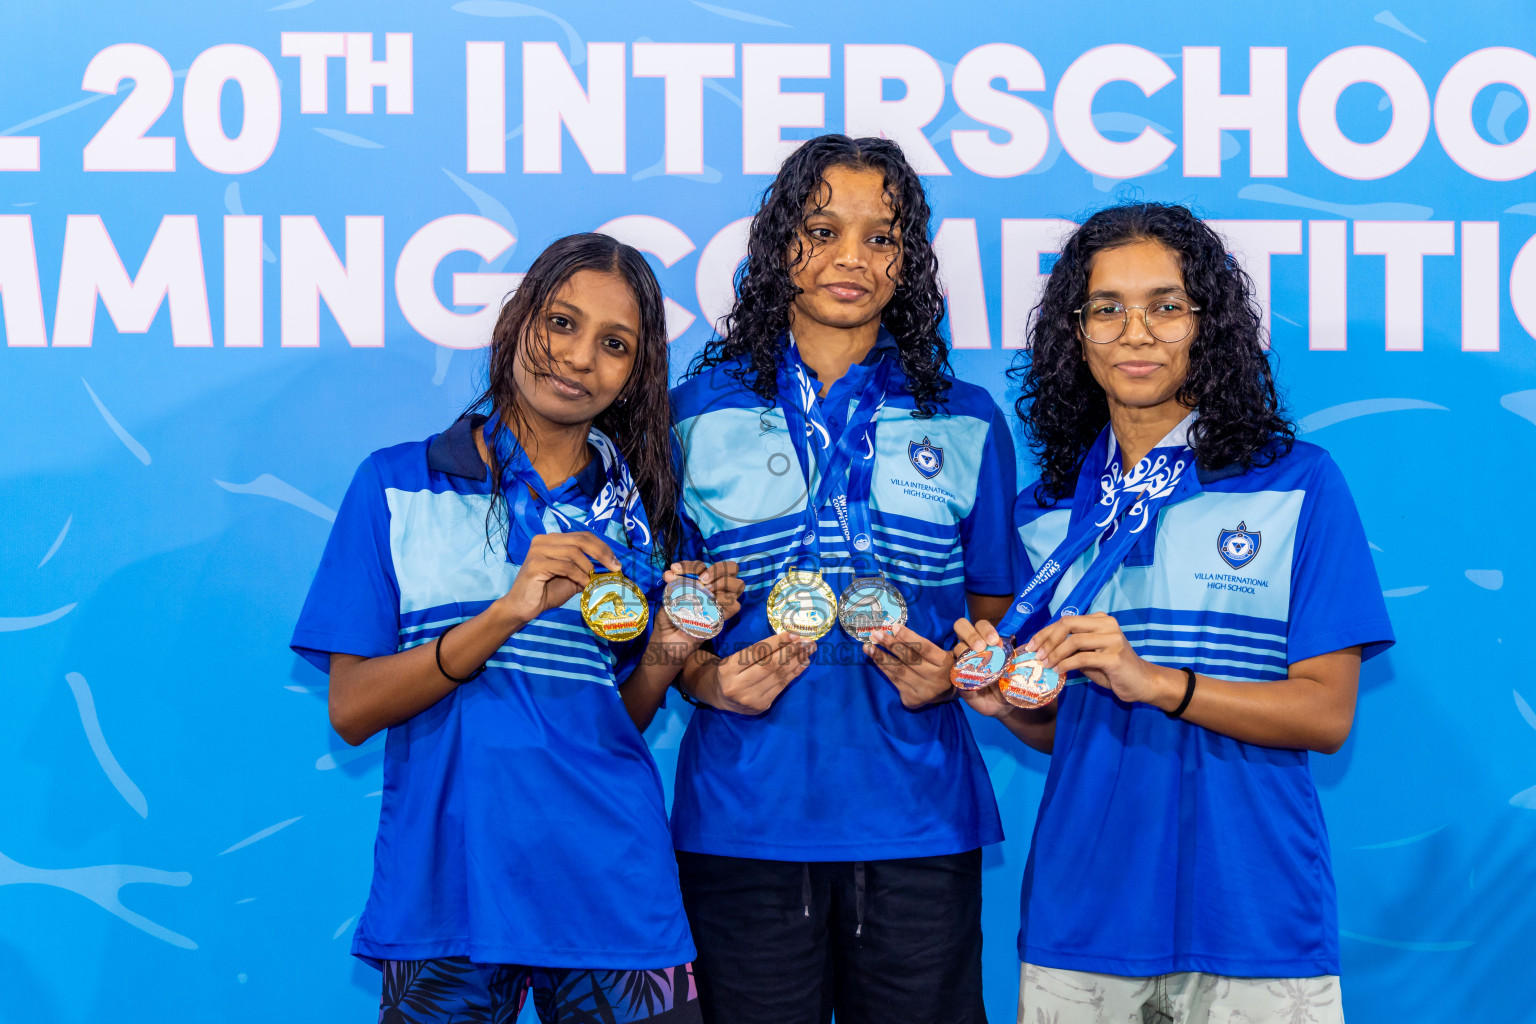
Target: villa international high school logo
point(926, 458)
point(1238, 547)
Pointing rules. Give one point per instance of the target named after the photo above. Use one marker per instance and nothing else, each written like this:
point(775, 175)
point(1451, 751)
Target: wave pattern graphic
point(269, 486)
point(576, 50)
point(1524, 709)
point(85, 703)
point(349, 138)
point(59, 112)
point(233, 204)
point(1521, 403)
point(1350, 211)
point(138, 450)
point(735, 15)
point(1416, 947)
point(1408, 841)
point(259, 836)
point(709, 175)
point(1365, 407)
point(1488, 579)
point(1389, 19)
point(102, 885)
point(16, 624)
point(58, 542)
point(337, 758)
point(1504, 106)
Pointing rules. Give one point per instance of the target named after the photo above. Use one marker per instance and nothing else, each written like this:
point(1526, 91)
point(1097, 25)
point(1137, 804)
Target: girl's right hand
point(989, 699)
point(557, 568)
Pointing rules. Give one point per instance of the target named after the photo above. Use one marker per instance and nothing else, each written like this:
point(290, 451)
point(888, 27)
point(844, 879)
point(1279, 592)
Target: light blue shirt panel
point(1186, 563)
point(438, 543)
point(1190, 563)
point(900, 489)
point(437, 540)
point(1044, 534)
point(740, 468)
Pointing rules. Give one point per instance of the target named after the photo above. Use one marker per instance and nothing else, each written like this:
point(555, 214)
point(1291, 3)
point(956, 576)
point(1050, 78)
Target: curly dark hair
point(639, 419)
point(1230, 381)
point(752, 344)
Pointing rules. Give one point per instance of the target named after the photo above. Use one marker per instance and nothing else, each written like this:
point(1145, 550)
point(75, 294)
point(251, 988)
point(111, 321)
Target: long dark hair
point(751, 345)
point(638, 420)
point(1230, 382)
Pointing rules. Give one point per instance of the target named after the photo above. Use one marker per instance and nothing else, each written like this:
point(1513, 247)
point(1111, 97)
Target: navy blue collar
point(453, 452)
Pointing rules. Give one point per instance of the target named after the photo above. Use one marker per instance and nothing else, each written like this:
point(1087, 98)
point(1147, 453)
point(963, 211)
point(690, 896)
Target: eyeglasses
point(1168, 320)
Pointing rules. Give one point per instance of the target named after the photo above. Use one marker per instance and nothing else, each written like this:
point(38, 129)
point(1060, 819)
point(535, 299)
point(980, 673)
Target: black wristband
point(437, 653)
point(1189, 691)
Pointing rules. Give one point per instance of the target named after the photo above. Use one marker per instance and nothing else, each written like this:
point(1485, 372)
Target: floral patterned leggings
point(453, 989)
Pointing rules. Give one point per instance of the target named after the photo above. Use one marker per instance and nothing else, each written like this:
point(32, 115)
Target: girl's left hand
point(1095, 646)
point(915, 665)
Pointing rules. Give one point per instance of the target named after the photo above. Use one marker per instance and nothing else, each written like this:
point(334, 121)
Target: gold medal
point(1027, 683)
point(868, 604)
point(802, 603)
point(614, 607)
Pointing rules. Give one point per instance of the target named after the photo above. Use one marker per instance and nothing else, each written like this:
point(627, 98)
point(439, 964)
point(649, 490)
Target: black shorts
point(878, 942)
point(454, 989)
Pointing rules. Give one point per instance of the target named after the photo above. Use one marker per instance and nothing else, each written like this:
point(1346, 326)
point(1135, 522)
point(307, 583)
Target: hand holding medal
point(1109, 529)
point(556, 568)
point(982, 658)
point(699, 598)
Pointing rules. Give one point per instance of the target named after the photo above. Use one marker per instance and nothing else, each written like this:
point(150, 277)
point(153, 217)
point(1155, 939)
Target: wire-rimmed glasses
point(1169, 319)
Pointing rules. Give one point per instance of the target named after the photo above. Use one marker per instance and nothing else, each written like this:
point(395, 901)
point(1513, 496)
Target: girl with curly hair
point(1205, 578)
point(522, 842)
point(830, 802)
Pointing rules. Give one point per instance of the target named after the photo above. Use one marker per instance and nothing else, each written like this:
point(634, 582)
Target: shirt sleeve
point(987, 534)
point(353, 605)
point(1336, 598)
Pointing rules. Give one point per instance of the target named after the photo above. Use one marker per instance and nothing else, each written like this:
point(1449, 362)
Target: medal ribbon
point(619, 496)
point(1127, 504)
point(846, 488)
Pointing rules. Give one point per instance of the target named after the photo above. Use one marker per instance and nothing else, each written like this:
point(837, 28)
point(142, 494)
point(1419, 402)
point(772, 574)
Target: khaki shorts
point(1048, 995)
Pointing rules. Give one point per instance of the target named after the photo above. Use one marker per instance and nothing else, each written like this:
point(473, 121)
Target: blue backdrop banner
point(243, 244)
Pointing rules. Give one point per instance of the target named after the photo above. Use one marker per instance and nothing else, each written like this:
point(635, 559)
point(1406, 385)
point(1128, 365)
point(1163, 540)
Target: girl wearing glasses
point(1205, 579)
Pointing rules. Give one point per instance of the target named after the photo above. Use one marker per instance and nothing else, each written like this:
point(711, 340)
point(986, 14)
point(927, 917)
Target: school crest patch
point(1238, 547)
point(926, 458)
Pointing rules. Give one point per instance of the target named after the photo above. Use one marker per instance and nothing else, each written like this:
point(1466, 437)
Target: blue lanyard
point(619, 495)
point(1127, 504)
point(846, 466)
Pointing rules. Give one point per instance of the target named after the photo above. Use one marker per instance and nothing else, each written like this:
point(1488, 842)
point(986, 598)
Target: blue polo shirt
point(523, 820)
point(1161, 846)
point(837, 769)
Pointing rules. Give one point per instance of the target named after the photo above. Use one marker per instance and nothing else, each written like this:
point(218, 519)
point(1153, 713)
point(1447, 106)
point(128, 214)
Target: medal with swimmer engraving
point(868, 604)
point(1027, 683)
point(802, 603)
point(976, 669)
point(614, 607)
point(692, 607)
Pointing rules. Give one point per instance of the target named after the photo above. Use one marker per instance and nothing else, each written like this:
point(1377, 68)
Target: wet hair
point(750, 346)
point(638, 420)
point(1241, 420)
